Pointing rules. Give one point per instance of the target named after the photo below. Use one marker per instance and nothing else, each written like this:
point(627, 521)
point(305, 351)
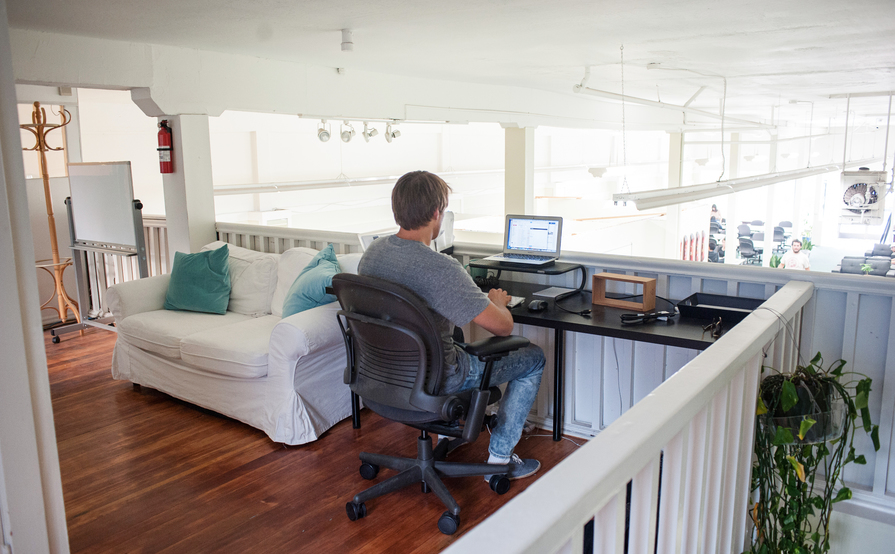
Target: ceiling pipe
point(686, 109)
point(664, 197)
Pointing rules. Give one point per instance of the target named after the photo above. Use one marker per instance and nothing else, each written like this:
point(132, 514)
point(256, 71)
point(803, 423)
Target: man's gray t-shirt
point(439, 279)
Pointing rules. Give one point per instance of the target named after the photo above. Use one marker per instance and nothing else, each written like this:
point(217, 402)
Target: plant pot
point(828, 425)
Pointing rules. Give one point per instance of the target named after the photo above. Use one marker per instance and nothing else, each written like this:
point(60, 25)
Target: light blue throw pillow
point(309, 288)
point(200, 282)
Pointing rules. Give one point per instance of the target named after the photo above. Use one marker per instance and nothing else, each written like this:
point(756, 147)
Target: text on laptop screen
point(536, 235)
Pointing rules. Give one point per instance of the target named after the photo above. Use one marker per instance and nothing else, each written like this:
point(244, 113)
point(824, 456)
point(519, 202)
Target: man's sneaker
point(520, 468)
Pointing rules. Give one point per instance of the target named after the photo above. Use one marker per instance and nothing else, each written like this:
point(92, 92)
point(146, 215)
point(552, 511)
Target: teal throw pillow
point(309, 288)
point(200, 282)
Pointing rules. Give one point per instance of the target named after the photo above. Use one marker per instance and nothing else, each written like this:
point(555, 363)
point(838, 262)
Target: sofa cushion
point(292, 261)
point(200, 282)
point(161, 331)
point(348, 262)
point(309, 289)
point(253, 279)
point(238, 350)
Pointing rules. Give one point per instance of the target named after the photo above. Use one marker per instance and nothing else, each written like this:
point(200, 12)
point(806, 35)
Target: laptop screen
point(536, 234)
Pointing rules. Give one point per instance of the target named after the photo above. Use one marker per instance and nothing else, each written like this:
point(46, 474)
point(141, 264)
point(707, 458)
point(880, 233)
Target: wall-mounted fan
point(863, 196)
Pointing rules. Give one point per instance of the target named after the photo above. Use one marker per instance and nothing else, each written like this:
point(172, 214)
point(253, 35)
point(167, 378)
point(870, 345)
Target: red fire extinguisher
point(166, 163)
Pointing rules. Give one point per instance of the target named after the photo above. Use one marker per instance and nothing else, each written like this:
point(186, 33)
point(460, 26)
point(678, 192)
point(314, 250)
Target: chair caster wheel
point(55, 340)
point(369, 471)
point(448, 523)
point(499, 484)
point(356, 511)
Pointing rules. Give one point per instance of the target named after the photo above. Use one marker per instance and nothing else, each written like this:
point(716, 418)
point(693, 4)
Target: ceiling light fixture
point(322, 133)
point(347, 44)
point(346, 134)
point(390, 135)
point(369, 132)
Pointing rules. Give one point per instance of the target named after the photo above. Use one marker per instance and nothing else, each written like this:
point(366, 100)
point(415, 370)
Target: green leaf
point(865, 418)
point(762, 409)
point(874, 435)
point(788, 396)
point(783, 436)
point(861, 460)
point(843, 494)
point(861, 400)
point(838, 368)
point(806, 424)
point(796, 465)
point(817, 359)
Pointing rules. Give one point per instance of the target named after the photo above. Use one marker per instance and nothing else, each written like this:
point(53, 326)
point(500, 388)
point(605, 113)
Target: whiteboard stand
point(103, 218)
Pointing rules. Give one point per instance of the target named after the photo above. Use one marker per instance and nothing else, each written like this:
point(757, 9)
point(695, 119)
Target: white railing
point(105, 270)
point(279, 239)
point(686, 448)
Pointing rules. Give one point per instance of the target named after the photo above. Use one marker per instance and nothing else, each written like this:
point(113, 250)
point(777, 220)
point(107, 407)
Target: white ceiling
point(771, 52)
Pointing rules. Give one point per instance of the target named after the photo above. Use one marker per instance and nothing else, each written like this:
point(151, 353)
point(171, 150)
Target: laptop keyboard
point(526, 257)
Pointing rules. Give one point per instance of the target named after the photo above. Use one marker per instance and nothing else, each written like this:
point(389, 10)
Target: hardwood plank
point(144, 472)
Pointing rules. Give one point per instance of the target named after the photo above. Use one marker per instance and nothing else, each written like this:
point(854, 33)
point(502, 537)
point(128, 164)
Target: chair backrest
point(395, 352)
point(744, 230)
point(757, 222)
point(786, 224)
point(747, 248)
point(778, 234)
point(714, 227)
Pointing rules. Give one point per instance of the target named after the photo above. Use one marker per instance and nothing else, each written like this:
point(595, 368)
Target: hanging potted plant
point(805, 429)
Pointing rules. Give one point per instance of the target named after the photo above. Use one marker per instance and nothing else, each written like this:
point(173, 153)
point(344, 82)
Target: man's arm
point(496, 318)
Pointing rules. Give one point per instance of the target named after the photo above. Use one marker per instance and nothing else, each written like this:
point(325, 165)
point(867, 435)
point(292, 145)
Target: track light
point(391, 135)
point(346, 134)
point(322, 133)
point(369, 133)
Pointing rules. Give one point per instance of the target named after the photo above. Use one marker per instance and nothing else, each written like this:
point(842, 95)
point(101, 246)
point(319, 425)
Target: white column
point(519, 176)
point(189, 196)
point(673, 217)
point(771, 195)
point(733, 214)
point(31, 504)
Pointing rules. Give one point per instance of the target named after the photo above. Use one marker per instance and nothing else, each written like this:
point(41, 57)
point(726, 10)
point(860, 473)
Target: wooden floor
point(143, 472)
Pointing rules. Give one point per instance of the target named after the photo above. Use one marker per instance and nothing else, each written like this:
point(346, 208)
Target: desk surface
point(606, 321)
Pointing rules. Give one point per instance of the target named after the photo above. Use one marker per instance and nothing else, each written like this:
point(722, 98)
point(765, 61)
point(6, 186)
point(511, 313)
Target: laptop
point(530, 240)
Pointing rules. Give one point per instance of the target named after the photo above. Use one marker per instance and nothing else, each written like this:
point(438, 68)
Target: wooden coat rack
point(39, 127)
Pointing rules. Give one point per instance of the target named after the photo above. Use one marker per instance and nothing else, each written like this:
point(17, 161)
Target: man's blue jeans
point(521, 370)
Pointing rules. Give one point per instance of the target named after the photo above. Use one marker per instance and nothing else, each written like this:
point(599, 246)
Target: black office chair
point(779, 238)
point(744, 230)
point(715, 228)
point(748, 252)
point(395, 365)
point(757, 222)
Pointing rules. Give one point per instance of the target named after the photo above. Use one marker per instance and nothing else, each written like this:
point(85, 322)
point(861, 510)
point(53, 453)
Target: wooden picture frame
point(649, 292)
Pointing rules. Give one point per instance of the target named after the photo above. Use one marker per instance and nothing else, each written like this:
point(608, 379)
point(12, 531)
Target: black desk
point(605, 321)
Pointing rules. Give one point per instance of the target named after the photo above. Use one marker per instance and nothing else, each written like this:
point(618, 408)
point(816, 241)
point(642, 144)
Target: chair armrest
point(138, 296)
point(495, 345)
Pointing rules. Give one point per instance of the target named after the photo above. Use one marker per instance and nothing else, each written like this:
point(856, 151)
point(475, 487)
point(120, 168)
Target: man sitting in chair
point(795, 258)
point(419, 201)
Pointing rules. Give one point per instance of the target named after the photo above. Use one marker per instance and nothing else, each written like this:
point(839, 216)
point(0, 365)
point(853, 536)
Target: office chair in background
point(395, 365)
point(748, 252)
point(744, 231)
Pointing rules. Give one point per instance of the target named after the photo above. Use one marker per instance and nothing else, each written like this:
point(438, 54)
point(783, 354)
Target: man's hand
point(496, 318)
point(499, 297)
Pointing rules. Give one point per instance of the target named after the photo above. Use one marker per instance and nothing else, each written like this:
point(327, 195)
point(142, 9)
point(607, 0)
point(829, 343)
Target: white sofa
point(280, 375)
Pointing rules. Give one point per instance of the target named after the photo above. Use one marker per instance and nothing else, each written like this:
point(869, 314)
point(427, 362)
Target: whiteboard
point(102, 203)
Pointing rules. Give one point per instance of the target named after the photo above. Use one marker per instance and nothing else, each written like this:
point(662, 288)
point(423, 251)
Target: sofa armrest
point(138, 296)
point(305, 332)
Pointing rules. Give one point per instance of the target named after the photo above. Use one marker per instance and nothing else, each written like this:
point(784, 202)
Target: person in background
point(716, 215)
point(795, 258)
point(419, 201)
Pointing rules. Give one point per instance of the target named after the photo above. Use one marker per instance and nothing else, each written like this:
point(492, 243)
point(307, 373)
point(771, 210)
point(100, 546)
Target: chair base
point(427, 468)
